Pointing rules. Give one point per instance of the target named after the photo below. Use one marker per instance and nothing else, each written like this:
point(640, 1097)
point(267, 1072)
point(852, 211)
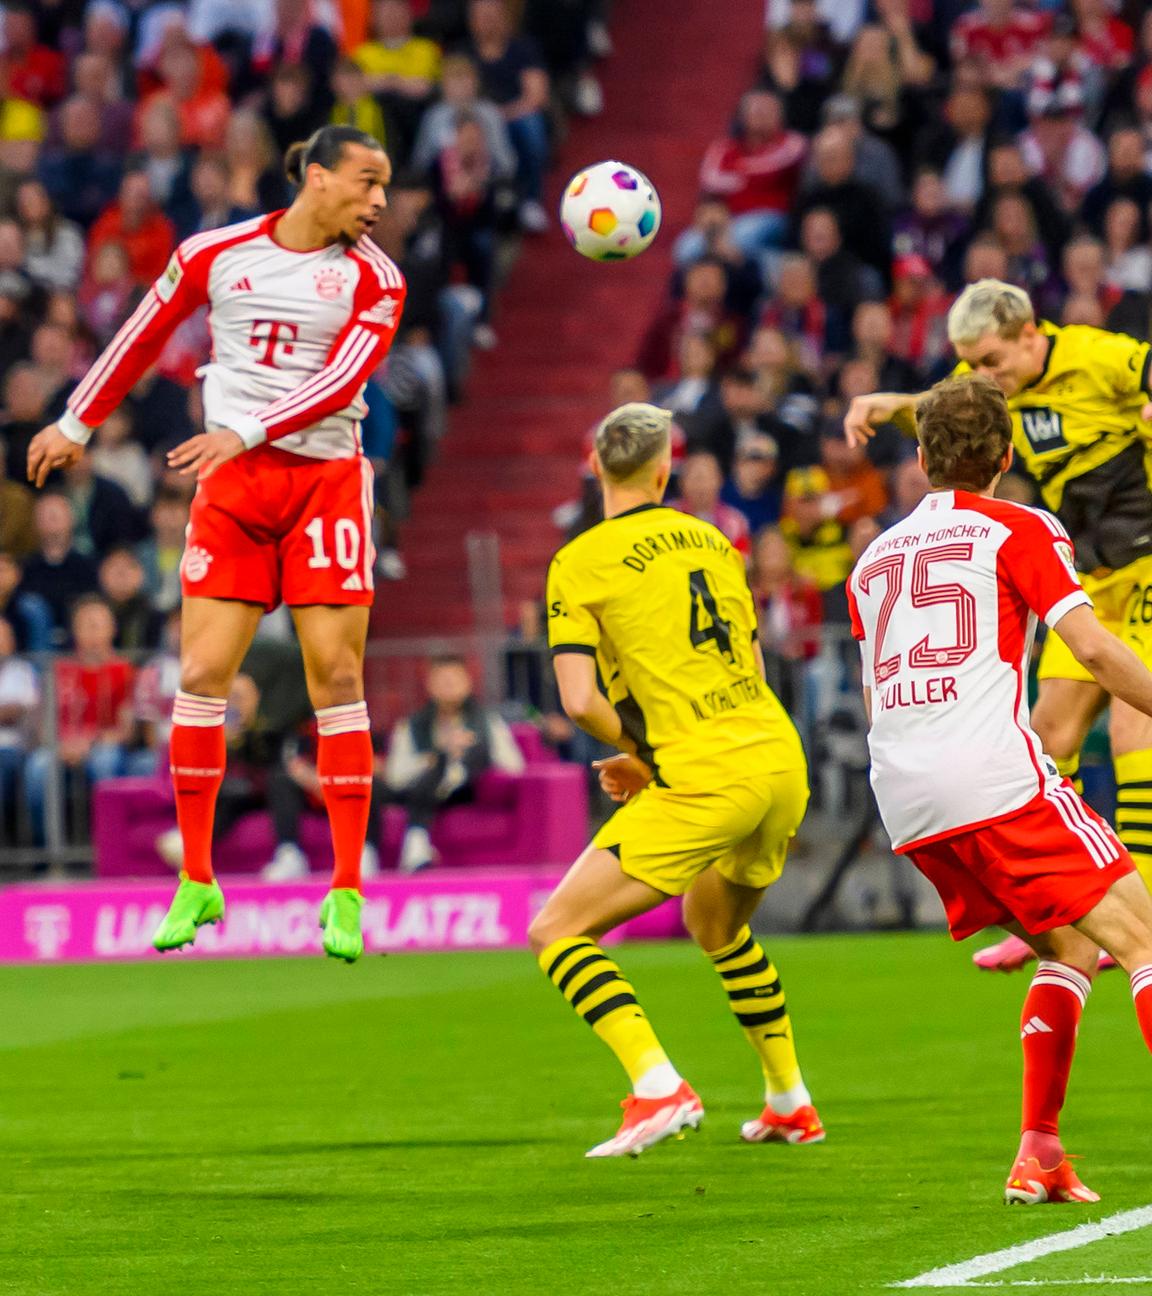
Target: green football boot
point(193, 905)
point(340, 919)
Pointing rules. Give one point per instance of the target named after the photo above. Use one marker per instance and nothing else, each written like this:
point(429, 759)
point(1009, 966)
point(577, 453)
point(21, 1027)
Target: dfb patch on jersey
point(169, 281)
point(383, 313)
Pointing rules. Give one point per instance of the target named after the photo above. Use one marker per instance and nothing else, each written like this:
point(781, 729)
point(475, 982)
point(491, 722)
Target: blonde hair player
point(711, 779)
point(1081, 416)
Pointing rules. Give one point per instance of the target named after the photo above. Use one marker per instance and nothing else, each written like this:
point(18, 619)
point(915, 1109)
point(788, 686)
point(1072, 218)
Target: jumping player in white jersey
point(945, 604)
point(302, 308)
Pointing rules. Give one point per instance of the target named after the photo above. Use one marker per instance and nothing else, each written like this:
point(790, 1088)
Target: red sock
point(1142, 998)
point(1048, 1027)
point(197, 756)
point(344, 763)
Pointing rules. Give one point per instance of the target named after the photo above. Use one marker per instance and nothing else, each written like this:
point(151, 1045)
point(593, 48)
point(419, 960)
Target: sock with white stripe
point(197, 756)
point(1048, 1027)
point(1142, 998)
point(344, 761)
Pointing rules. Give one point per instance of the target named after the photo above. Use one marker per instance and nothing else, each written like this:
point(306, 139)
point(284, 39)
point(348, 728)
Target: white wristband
point(71, 427)
point(249, 429)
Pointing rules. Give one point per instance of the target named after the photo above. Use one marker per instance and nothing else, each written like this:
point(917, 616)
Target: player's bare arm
point(620, 776)
point(50, 449)
point(866, 413)
point(203, 453)
point(1113, 664)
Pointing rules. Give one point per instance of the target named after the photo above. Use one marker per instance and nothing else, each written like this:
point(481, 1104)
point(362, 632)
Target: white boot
point(170, 848)
point(289, 864)
point(417, 852)
point(369, 861)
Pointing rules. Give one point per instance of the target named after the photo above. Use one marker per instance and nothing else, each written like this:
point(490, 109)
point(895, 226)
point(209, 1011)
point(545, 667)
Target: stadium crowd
point(126, 127)
point(889, 152)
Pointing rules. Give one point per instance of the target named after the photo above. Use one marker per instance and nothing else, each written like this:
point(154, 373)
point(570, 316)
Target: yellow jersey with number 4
point(661, 600)
point(1078, 430)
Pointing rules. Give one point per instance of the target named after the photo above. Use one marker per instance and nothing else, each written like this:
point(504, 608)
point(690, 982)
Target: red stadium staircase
point(513, 450)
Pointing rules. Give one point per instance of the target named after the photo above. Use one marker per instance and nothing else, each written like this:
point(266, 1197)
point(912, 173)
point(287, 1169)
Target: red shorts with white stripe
point(1045, 866)
point(272, 527)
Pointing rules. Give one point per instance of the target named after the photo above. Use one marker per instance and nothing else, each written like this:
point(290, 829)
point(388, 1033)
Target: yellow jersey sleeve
point(1122, 362)
point(571, 625)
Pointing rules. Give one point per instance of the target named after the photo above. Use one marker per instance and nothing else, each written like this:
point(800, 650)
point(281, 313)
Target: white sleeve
point(505, 750)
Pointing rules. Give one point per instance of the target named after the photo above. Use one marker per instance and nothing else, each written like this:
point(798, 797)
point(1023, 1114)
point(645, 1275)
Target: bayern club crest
point(330, 284)
point(196, 563)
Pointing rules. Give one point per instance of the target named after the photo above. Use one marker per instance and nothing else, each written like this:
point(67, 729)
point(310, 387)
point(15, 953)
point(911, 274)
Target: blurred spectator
point(513, 77)
point(701, 481)
point(1106, 40)
point(161, 552)
point(1015, 229)
point(35, 72)
point(256, 182)
point(752, 486)
point(117, 457)
point(53, 246)
point(745, 413)
point(401, 69)
point(164, 158)
point(28, 613)
point(564, 31)
point(860, 208)
point(1059, 147)
point(354, 104)
point(1007, 173)
point(460, 92)
point(819, 547)
point(201, 108)
point(957, 145)
point(98, 83)
point(1127, 177)
point(797, 310)
point(695, 390)
point(1002, 36)
point(301, 40)
point(842, 279)
point(210, 205)
point(791, 610)
point(784, 386)
point(24, 414)
point(886, 69)
point(138, 624)
point(157, 683)
point(136, 223)
point(841, 17)
point(436, 755)
point(108, 291)
point(102, 513)
point(985, 259)
point(14, 279)
point(919, 315)
point(872, 331)
point(908, 486)
point(756, 173)
point(19, 707)
point(18, 535)
point(1082, 267)
point(293, 110)
point(710, 236)
point(703, 310)
point(929, 227)
point(1128, 257)
point(802, 60)
point(857, 487)
point(80, 175)
point(93, 709)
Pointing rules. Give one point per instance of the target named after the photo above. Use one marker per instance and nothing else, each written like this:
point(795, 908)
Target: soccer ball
point(610, 212)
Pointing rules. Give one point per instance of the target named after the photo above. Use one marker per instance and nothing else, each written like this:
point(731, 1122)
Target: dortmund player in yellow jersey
point(712, 779)
point(1082, 427)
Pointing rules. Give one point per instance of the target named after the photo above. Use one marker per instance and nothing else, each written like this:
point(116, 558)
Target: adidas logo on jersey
point(241, 285)
point(1036, 1026)
point(353, 582)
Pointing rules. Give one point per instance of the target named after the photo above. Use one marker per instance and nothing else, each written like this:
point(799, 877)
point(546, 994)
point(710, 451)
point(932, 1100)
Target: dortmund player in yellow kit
point(711, 777)
point(1082, 427)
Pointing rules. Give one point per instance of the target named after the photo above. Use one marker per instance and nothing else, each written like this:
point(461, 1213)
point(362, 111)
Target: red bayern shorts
point(1045, 866)
point(273, 527)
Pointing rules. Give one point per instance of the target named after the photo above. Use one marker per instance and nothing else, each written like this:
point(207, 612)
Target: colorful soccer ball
point(610, 212)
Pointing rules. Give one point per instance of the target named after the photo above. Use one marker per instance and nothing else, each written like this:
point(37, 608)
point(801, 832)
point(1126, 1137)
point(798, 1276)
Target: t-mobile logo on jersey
point(270, 334)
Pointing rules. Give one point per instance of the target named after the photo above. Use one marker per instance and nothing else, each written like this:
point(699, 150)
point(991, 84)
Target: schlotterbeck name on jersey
point(728, 698)
point(918, 693)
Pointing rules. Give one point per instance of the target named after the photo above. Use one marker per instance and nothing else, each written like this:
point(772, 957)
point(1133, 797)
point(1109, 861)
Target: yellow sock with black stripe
point(1069, 768)
point(1134, 807)
point(757, 999)
point(594, 985)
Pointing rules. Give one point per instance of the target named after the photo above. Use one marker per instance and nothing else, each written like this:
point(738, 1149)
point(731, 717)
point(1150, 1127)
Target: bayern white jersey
point(945, 604)
point(295, 336)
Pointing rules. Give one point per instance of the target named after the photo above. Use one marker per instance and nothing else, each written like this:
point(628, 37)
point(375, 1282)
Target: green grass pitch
point(416, 1125)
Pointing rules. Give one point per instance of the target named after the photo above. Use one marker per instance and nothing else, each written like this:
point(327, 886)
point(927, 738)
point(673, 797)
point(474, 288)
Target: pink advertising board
point(469, 909)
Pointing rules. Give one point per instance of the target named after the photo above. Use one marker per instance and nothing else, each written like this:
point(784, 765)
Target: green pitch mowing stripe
point(416, 1126)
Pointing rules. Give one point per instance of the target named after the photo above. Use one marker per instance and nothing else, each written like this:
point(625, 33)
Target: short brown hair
point(964, 429)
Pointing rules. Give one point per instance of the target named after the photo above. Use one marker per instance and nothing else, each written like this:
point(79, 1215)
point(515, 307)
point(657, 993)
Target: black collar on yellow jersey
point(1051, 336)
point(639, 508)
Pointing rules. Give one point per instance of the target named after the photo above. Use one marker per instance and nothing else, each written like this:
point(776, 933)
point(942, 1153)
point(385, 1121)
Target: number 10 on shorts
point(346, 543)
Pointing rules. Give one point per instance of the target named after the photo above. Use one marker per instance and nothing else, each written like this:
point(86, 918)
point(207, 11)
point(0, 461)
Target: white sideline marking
point(1063, 1282)
point(960, 1275)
